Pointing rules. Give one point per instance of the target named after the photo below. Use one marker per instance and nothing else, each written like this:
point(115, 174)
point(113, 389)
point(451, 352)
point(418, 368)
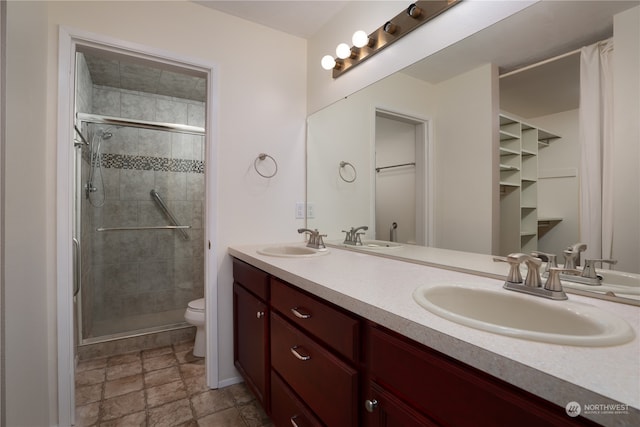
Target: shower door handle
point(76, 266)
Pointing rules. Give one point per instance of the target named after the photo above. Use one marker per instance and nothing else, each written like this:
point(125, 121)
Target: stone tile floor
point(159, 387)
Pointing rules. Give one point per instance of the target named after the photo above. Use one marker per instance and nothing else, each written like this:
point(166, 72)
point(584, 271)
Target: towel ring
point(343, 164)
point(263, 156)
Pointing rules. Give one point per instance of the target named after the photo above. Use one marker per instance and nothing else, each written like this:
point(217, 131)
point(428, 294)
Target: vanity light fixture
point(365, 46)
point(343, 51)
point(362, 39)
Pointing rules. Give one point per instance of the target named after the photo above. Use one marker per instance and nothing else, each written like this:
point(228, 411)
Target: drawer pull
point(294, 351)
point(370, 405)
point(260, 314)
point(293, 421)
point(296, 312)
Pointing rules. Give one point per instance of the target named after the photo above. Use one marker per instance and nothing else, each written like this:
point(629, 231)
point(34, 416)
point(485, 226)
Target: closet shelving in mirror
point(519, 145)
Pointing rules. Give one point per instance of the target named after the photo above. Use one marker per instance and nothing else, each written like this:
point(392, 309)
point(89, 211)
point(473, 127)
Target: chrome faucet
point(353, 237)
point(532, 285)
point(315, 238)
point(572, 255)
point(589, 276)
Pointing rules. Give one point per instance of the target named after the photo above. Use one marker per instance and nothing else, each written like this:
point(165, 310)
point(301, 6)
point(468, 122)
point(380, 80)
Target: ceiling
point(299, 18)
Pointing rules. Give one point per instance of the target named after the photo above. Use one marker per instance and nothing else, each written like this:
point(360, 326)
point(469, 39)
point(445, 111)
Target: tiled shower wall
point(137, 273)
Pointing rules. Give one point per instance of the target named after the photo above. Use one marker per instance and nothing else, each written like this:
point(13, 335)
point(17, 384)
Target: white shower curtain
point(596, 145)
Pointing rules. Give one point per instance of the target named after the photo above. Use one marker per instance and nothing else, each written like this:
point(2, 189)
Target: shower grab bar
point(159, 227)
point(144, 124)
point(163, 207)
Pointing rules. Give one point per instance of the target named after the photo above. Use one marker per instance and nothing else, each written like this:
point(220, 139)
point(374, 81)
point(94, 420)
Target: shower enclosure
point(139, 206)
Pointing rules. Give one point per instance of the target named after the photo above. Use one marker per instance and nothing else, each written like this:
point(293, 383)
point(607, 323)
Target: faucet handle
point(553, 281)
point(589, 269)
point(514, 275)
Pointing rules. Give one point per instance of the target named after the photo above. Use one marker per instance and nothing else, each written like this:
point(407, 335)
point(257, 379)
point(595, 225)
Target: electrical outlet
point(311, 210)
point(300, 210)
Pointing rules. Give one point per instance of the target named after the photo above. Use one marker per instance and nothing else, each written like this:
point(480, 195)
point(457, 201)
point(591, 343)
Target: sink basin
point(523, 316)
point(292, 251)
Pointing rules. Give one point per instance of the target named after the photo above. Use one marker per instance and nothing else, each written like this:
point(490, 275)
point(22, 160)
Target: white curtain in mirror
point(596, 141)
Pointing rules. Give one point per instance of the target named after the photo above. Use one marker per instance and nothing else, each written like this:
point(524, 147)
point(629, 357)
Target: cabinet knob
point(370, 405)
point(293, 421)
point(260, 314)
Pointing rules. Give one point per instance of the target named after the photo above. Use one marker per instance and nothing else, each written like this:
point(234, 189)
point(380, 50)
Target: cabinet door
point(251, 351)
point(383, 409)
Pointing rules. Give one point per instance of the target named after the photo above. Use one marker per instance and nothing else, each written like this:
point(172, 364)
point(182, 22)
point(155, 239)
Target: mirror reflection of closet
point(546, 95)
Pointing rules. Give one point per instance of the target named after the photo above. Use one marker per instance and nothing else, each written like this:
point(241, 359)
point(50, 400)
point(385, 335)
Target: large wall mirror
point(421, 148)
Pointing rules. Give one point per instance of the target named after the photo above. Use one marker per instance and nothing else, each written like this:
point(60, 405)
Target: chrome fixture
point(165, 210)
point(588, 276)
point(572, 255)
point(142, 124)
point(365, 46)
point(393, 232)
point(353, 236)
point(343, 166)
point(532, 285)
point(315, 238)
point(262, 157)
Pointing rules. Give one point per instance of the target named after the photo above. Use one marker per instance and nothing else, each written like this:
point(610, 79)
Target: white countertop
point(380, 289)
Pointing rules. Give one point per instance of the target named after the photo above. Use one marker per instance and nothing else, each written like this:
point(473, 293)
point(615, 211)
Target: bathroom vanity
point(337, 340)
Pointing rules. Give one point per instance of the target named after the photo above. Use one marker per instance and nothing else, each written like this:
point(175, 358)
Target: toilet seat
point(196, 305)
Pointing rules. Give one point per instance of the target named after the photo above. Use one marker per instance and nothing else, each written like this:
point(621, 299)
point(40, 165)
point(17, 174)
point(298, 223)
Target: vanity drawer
point(328, 385)
point(326, 323)
point(286, 408)
point(451, 393)
point(253, 279)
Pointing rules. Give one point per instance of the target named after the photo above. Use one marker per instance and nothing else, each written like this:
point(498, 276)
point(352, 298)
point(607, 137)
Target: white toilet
point(195, 316)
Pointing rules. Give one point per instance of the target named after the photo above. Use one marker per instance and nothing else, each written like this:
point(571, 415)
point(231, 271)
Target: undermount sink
point(523, 316)
point(292, 251)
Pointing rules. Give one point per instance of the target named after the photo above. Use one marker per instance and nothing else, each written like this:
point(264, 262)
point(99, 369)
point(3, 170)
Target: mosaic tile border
point(164, 164)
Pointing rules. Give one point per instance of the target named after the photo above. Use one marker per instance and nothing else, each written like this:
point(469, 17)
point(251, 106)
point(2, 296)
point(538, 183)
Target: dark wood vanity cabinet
point(410, 384)
point(312, 363)
point(251, 328)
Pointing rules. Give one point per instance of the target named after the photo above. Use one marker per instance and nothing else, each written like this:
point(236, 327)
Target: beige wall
point(261, 109)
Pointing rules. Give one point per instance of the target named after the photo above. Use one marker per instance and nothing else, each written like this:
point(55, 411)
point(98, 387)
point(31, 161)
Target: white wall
point(261, 109)
point(466, 200)
point(457, 23)
point(626, 69)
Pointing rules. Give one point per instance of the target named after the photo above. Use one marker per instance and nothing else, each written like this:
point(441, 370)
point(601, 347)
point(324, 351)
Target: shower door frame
point(69, 40)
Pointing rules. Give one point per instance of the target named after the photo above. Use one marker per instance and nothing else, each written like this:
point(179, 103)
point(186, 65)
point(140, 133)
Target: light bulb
point(360, 39)
point(328, 62)
point(343, 51)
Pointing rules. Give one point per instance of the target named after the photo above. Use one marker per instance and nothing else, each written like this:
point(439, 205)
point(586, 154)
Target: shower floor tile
point(159, 387)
